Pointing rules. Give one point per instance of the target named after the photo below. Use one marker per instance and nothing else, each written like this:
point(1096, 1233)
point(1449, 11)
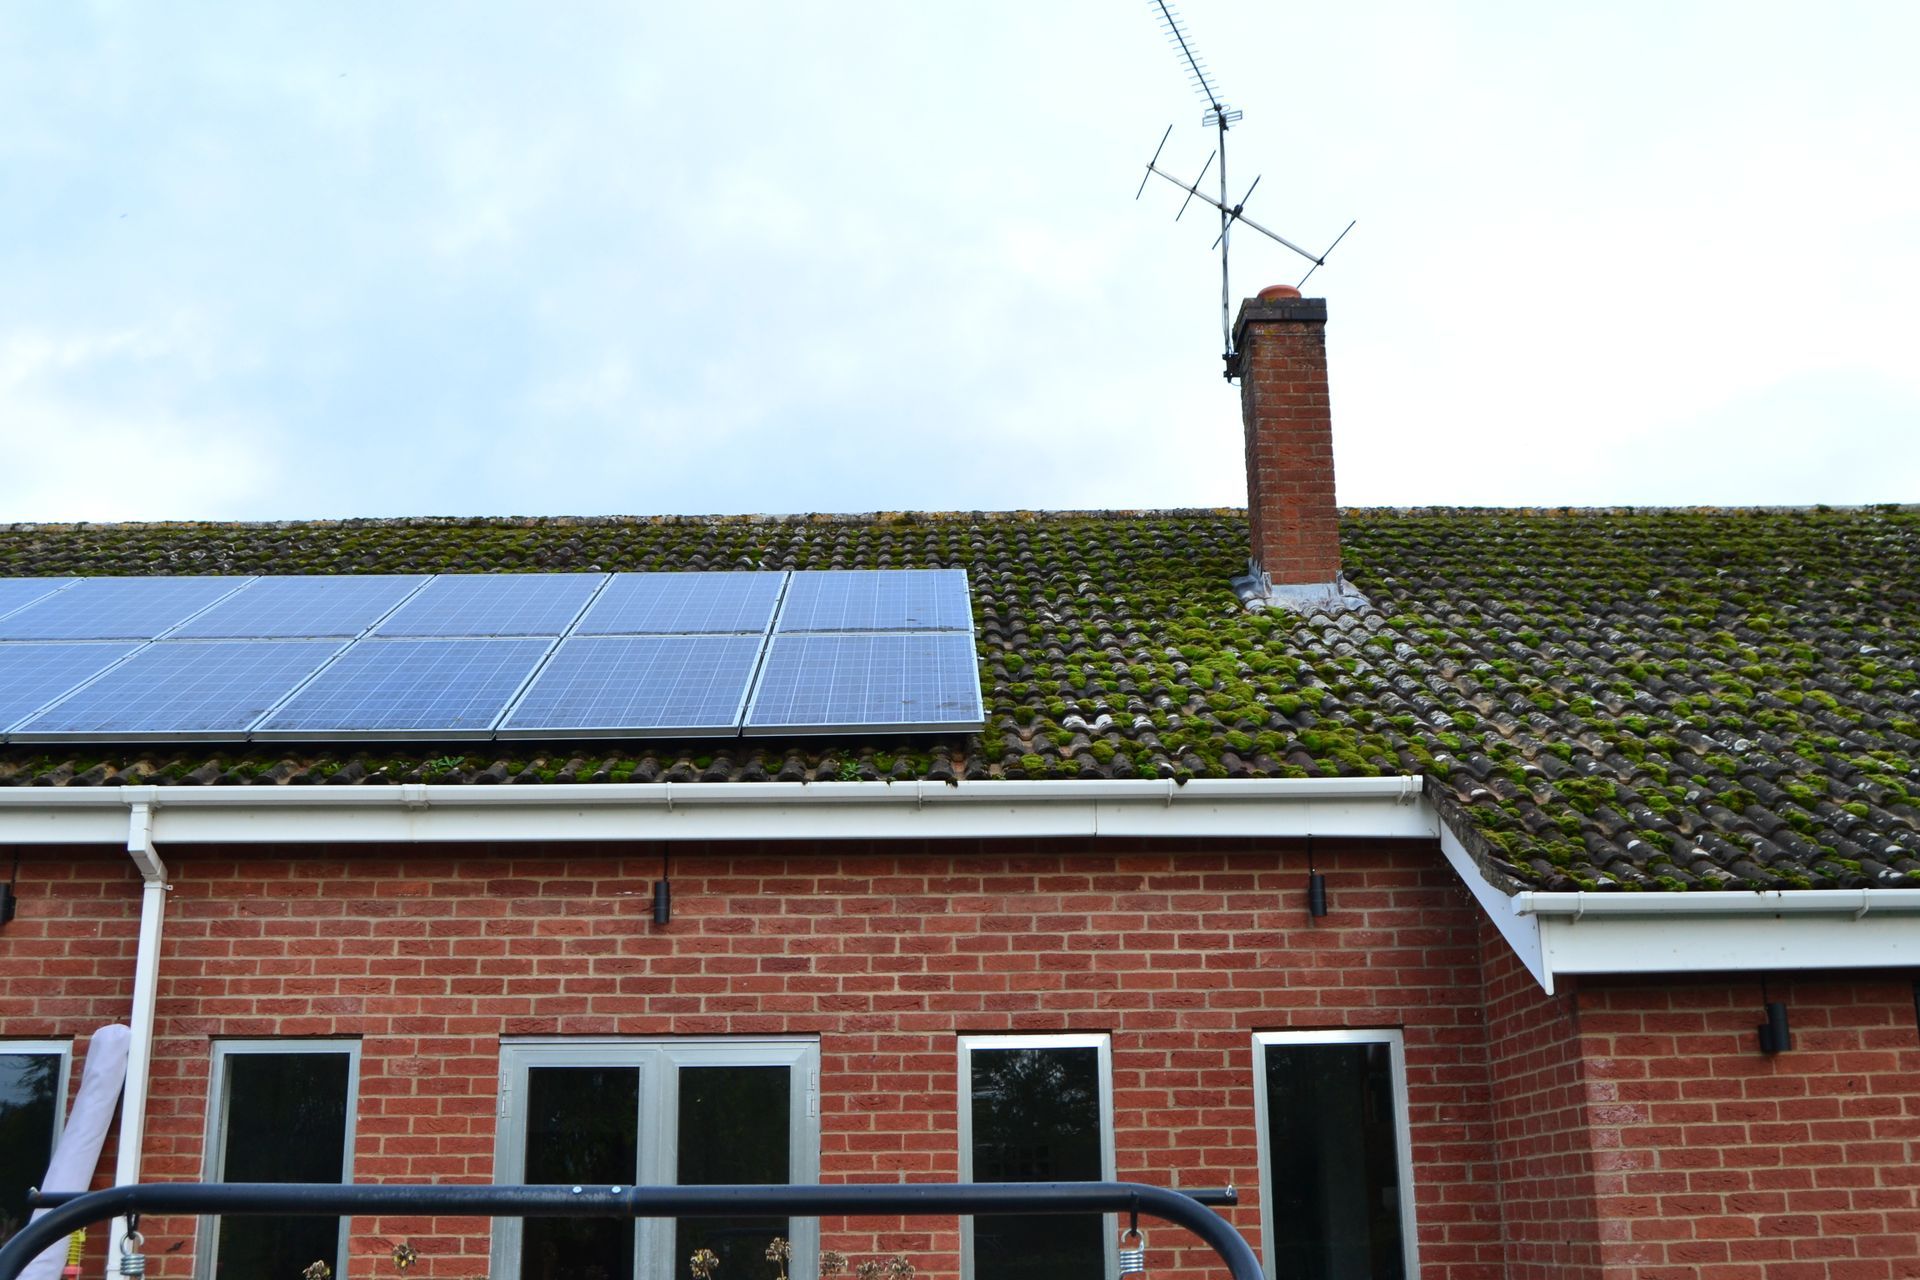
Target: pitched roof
point(1660, 699)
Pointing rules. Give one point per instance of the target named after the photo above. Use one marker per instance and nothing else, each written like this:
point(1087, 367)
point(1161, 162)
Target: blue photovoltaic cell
point(185, 687)
point(494, 604)
point(116, 608)
point(639, 684)
point(317, 606)
point(32, 675)
point(15, 592)
point(638, 604)
point(877, 600)
point(410, 687)
point(845, 683)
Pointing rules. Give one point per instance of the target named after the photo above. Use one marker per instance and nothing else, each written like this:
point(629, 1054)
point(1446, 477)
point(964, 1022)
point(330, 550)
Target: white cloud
point(710, 259)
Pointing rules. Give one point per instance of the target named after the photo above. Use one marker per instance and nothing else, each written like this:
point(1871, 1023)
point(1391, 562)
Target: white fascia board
point(1717, 931)
point(1744, 943)
point(1521, 932)
point(1380, 808)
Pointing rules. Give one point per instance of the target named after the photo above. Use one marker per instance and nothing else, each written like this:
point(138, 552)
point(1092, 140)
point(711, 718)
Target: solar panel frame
point(204, 691)
point(73, 664)
point(148, 608)
point(795, 660)
point(425, 615)
point(317, 606)
point(876, 600)
point(550, 707)
point(697, 602)
point(299, 718)
point(17, 593)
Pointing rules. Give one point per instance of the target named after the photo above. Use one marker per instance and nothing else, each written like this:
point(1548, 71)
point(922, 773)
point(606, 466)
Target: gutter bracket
point(669, 795)
point(1410, 789)
point(1168, 802)
point(413, 795)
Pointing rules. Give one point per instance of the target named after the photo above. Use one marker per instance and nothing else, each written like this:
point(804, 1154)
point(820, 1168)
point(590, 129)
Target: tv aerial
point(1219, 117)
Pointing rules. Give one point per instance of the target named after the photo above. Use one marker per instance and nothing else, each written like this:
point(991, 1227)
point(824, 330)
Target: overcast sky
point(376, 259)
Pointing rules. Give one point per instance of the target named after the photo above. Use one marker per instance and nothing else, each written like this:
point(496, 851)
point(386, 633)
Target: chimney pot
point(1273, 291)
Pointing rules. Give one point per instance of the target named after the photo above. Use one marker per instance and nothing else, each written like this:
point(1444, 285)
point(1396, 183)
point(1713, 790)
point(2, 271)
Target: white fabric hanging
point(78, 1152)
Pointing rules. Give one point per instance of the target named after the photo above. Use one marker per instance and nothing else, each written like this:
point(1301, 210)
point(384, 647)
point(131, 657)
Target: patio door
point(654, 1113)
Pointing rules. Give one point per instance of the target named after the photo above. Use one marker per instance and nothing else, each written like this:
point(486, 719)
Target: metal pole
point(1226, 223)
point(889, 1199)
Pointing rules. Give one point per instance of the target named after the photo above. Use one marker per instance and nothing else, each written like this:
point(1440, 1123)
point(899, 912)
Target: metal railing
point(68, 1211)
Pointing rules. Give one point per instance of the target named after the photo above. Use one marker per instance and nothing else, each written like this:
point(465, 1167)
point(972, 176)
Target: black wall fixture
point(1316, 887)
point(663, 891)
point(1775, 1035)
point(9, 898)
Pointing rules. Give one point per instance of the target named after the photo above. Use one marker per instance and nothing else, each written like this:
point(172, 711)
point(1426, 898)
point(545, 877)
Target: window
point(1037, 1109)
point(279, 1111)
point(33, 1102)
point(630, 1112)
point(1336, 1185)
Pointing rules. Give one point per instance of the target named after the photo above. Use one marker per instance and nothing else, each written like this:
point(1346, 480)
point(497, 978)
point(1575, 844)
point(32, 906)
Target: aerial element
point(1219, 117)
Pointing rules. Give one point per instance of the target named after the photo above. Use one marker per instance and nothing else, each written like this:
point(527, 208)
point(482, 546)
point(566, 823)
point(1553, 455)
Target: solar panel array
point(475, 656)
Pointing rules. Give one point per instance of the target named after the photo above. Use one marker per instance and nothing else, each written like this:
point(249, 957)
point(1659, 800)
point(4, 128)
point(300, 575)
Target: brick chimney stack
point(1280, 340)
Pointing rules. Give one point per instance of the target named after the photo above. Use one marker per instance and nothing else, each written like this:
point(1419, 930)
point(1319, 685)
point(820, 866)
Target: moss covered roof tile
point(1663, 699)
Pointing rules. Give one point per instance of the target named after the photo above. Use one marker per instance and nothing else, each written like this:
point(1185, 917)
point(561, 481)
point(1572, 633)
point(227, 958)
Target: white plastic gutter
point(1852, 902)
point(1390, 808)
point(146, 983)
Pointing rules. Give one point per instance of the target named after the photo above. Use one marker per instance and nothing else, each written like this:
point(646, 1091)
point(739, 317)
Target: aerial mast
point(1218, 117)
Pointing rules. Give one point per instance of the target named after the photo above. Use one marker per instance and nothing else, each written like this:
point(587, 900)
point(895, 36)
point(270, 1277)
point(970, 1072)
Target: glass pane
point(583, 1125)
point(735, 1126)
point(28, 1085)
point(1336, 1194)
point(286, 1121)
point(1036, 1118)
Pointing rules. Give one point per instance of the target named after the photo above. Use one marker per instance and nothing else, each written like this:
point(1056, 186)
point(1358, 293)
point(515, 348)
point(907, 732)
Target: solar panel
point(877, 600)
point(341, 606)
point(15, 592)
point(116, 608)
point(32, 675)
point(854, 683)
point(683, 604)
point(183, 689)
point(655, 685)
point(426, 688)
point(463, 656)
point(494, 604)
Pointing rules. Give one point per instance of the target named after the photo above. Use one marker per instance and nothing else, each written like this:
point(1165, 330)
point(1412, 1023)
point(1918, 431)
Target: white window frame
point(1099, 1041)
point(659, 1059)
point(62, 1049)
point(207, 1238)
point(1402, 1128)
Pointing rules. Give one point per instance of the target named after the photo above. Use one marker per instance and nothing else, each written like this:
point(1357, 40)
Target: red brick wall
point(1720, 1163)
point(1541, 1086)
point(886, 953)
